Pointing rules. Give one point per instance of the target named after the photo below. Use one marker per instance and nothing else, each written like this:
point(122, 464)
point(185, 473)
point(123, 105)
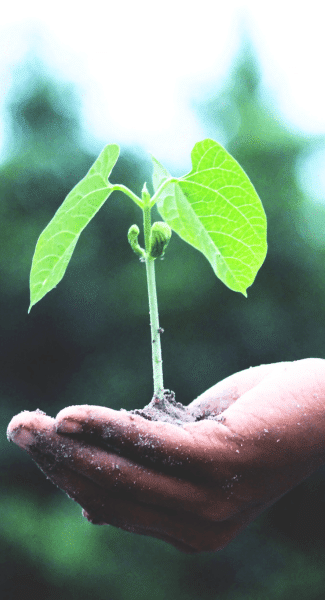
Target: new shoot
point(214, 208)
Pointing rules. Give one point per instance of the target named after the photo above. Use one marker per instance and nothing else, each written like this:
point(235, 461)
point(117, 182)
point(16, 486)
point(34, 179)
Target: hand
point(198, 485)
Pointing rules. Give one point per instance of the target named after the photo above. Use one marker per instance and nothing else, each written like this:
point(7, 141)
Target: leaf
point(160, 174)
point(57, 242)
point(216, 209)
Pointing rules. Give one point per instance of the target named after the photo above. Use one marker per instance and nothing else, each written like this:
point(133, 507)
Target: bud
point(145, 194)
point(133, 234)
point(160, 235)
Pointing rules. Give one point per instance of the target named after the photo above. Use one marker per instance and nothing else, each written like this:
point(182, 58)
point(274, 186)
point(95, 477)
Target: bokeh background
point(155, 77)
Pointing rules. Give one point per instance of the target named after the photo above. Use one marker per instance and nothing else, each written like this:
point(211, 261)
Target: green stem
point(122, 188)
point(153, 306)
point(153, 200)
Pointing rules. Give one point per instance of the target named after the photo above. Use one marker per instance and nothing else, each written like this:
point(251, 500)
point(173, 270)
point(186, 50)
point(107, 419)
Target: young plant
point(214, 208)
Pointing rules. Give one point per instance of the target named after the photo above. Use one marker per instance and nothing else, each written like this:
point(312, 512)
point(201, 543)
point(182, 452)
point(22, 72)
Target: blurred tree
point(284, 297)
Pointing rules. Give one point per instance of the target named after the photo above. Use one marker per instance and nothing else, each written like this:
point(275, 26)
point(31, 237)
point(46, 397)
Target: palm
point(197, 485)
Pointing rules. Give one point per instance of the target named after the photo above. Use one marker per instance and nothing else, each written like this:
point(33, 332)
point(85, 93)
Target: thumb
point(224, 393)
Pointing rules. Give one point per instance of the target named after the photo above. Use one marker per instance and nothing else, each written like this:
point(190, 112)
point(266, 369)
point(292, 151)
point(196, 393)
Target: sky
point(139, 65)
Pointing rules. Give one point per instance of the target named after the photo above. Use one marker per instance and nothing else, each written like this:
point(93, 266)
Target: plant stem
point(122, 188)
point(160, 189)
point(153, 306)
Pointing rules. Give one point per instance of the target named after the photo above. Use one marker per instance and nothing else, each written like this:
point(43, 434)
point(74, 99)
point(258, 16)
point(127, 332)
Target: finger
point(166, 538)
point(217, 499)
point(135, 437)
point(21, 427)
point(197, 452)
point(213, 539)
point(224, 393)
point(112, 472)
point(184, 530)
point(155, 441)
point(187, 452)
point(36, 434)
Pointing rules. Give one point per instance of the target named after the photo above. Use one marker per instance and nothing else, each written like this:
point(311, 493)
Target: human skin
point(195, 486)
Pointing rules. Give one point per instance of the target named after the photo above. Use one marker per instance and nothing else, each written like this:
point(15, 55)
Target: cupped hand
point(195, 486)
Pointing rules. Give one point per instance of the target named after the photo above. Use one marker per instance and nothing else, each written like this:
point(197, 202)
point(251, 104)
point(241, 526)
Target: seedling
point(214, 208)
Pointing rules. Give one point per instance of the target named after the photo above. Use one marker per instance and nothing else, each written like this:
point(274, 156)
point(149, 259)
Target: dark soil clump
point(170, 411)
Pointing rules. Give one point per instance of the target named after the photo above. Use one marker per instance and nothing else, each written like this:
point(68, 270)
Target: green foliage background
point(88, 341)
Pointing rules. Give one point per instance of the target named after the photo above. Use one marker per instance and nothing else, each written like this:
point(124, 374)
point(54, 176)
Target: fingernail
point(22, 437)
point(68, 426)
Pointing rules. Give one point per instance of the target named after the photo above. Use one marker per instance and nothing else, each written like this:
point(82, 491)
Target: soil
point(170, 411)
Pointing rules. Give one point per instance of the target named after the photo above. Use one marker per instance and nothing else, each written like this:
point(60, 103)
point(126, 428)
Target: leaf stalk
point(122, 188)
point(160, 189)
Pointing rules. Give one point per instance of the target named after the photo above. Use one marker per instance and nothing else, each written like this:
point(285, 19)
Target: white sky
point(140, 92)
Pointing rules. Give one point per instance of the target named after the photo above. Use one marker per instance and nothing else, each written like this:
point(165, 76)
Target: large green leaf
point(216, 209)
point(58, 240)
